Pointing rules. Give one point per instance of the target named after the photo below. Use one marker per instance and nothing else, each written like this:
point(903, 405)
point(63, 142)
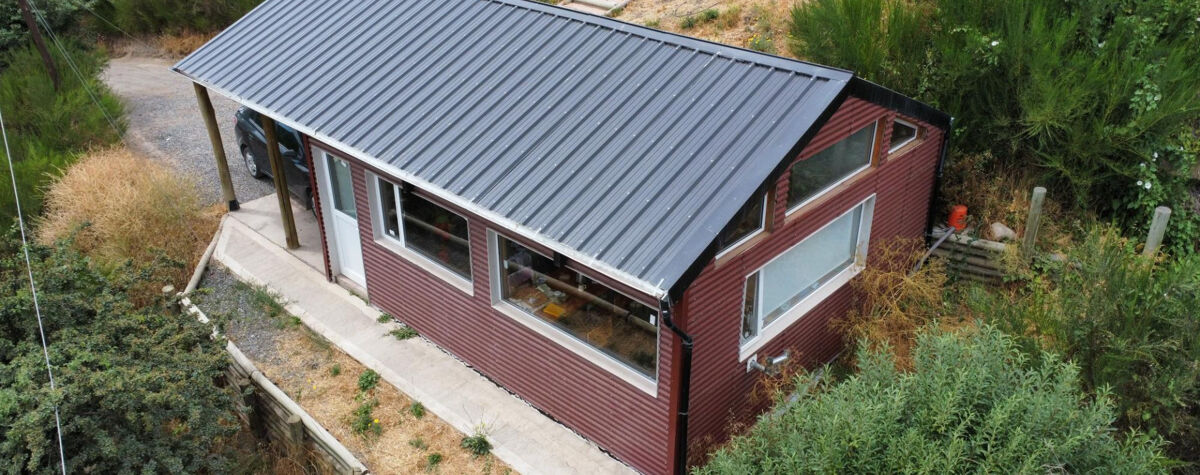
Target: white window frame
point(557, 335)
point(799, 309)
point(858, 171)
point(916, 135)
point(397, 244)
point(762, 227)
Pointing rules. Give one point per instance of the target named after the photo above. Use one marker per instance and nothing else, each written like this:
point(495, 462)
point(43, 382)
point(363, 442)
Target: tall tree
point(36, 33)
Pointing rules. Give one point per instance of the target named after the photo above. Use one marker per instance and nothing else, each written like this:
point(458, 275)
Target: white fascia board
point(655, 291)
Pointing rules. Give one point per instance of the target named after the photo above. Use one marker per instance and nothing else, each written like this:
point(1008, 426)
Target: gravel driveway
point(165, 124)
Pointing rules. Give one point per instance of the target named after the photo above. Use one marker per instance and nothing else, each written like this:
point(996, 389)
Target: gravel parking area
point(165, 124)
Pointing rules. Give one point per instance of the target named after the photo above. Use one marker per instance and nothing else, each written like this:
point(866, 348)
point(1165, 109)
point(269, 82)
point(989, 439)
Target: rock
point(1000, 232)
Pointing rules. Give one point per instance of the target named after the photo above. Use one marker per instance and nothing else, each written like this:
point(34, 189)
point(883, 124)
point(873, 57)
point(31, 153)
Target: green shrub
point(1131, 325)
point(432, 461)
point(973, 404)
point(403, 333)
point(167, 16)
point(384, 318)
point(477, 444)
point(687, 22)
point(1100, 96)
point(709, 15)
point(417, 410)
point(135, 387)
point(47, 130)
point(363, 421)
point(368, 380)
point(335, 370)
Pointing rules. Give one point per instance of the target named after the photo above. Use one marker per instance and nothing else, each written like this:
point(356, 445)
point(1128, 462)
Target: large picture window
point(419, 225)
point(780, 292)
point(586, 310)
point(829, 167)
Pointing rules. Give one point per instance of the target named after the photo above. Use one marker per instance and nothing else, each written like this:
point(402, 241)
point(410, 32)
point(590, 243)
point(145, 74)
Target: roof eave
point(655, 291)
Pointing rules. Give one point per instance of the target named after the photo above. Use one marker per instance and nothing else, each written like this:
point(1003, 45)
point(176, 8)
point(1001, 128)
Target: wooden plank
point(1033, 222)
point(953, 258)
point(1158, 228)
point(281, 187)
point(218, 146)
point(978, 243)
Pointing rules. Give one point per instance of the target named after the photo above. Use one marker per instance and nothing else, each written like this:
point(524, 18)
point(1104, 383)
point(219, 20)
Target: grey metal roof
point(622, 147)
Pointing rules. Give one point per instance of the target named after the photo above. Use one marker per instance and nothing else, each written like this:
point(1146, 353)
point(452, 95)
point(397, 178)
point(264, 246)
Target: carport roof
point(621, 147)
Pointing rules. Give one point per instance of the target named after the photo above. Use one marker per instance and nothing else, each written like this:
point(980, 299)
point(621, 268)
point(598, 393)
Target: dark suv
point(253, 146)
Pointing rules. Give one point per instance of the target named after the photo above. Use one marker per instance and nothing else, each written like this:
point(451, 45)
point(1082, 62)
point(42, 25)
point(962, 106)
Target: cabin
point(620, 225)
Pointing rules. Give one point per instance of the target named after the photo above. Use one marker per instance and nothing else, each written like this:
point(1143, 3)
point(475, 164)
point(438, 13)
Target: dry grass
point(753, 24)
point(894, 302)
point(303, 371)
point(998, 194)
point(178, 45)
point(124, 207)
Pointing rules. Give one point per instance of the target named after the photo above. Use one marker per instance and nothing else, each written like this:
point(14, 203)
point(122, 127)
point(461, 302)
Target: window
point(829, 167)
point(433, 232)
point(780, 292)
point(903, 133)
point(343, 186)
point(750, 221)
point(618, 326)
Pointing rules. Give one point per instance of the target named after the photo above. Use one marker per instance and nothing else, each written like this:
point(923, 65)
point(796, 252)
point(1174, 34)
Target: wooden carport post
point(214, 136)
point(281, 188)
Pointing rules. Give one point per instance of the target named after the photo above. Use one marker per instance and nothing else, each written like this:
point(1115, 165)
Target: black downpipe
point(685, 389)
point(937, 182)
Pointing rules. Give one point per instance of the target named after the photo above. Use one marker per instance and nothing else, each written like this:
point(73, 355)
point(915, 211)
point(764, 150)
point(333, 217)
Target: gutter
point(937, 181)
point(685, 389)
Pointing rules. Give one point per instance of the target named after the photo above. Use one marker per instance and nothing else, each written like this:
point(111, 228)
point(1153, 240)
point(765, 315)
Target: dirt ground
point(303, 365)
point(753, 24)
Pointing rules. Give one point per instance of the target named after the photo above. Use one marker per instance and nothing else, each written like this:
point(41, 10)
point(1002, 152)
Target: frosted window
point(798, 272)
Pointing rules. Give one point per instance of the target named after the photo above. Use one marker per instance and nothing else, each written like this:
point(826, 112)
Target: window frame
point(762, 228)
point(587, 351)
point(399, 246)
point(916, 136)
point(849, 176)
point(764, 334)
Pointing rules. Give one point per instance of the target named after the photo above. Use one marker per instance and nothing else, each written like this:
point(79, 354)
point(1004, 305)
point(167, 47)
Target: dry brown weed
point(124, 207)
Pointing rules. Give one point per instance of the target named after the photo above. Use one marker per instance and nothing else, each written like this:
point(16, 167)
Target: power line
point(71, 62)
point(62, 458)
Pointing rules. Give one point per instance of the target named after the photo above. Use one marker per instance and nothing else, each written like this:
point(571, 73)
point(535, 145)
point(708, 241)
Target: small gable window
point(750, 221)
point(903, 133)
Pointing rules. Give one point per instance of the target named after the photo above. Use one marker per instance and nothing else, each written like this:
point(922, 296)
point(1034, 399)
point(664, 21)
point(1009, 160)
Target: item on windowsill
point(554, 311)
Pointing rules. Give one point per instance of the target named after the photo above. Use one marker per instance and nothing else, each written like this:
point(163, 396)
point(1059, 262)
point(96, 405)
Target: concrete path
point(164, 123)
point(250, 245)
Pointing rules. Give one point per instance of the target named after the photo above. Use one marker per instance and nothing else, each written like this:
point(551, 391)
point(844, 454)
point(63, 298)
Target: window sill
point(794, 314)
point(455, 280)
point(797, 212)
point(596, 357)
point(741, 246)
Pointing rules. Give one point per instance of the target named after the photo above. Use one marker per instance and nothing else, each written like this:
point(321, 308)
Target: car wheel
point(251, 165)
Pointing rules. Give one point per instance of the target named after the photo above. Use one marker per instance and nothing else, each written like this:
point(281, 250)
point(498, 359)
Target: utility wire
point(62, 458)
point(71, 62)
point(114, 26)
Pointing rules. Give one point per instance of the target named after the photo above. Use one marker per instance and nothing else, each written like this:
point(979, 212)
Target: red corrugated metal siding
point(620, 418)
point(721, 388)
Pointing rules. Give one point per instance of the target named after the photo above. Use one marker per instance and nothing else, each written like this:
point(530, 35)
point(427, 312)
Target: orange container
point(958, 217)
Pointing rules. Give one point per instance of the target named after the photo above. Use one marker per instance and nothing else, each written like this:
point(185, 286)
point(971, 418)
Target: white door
point(345, 246)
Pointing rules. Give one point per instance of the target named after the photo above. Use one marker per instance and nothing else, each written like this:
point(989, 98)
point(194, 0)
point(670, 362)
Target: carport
point(288, 220)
